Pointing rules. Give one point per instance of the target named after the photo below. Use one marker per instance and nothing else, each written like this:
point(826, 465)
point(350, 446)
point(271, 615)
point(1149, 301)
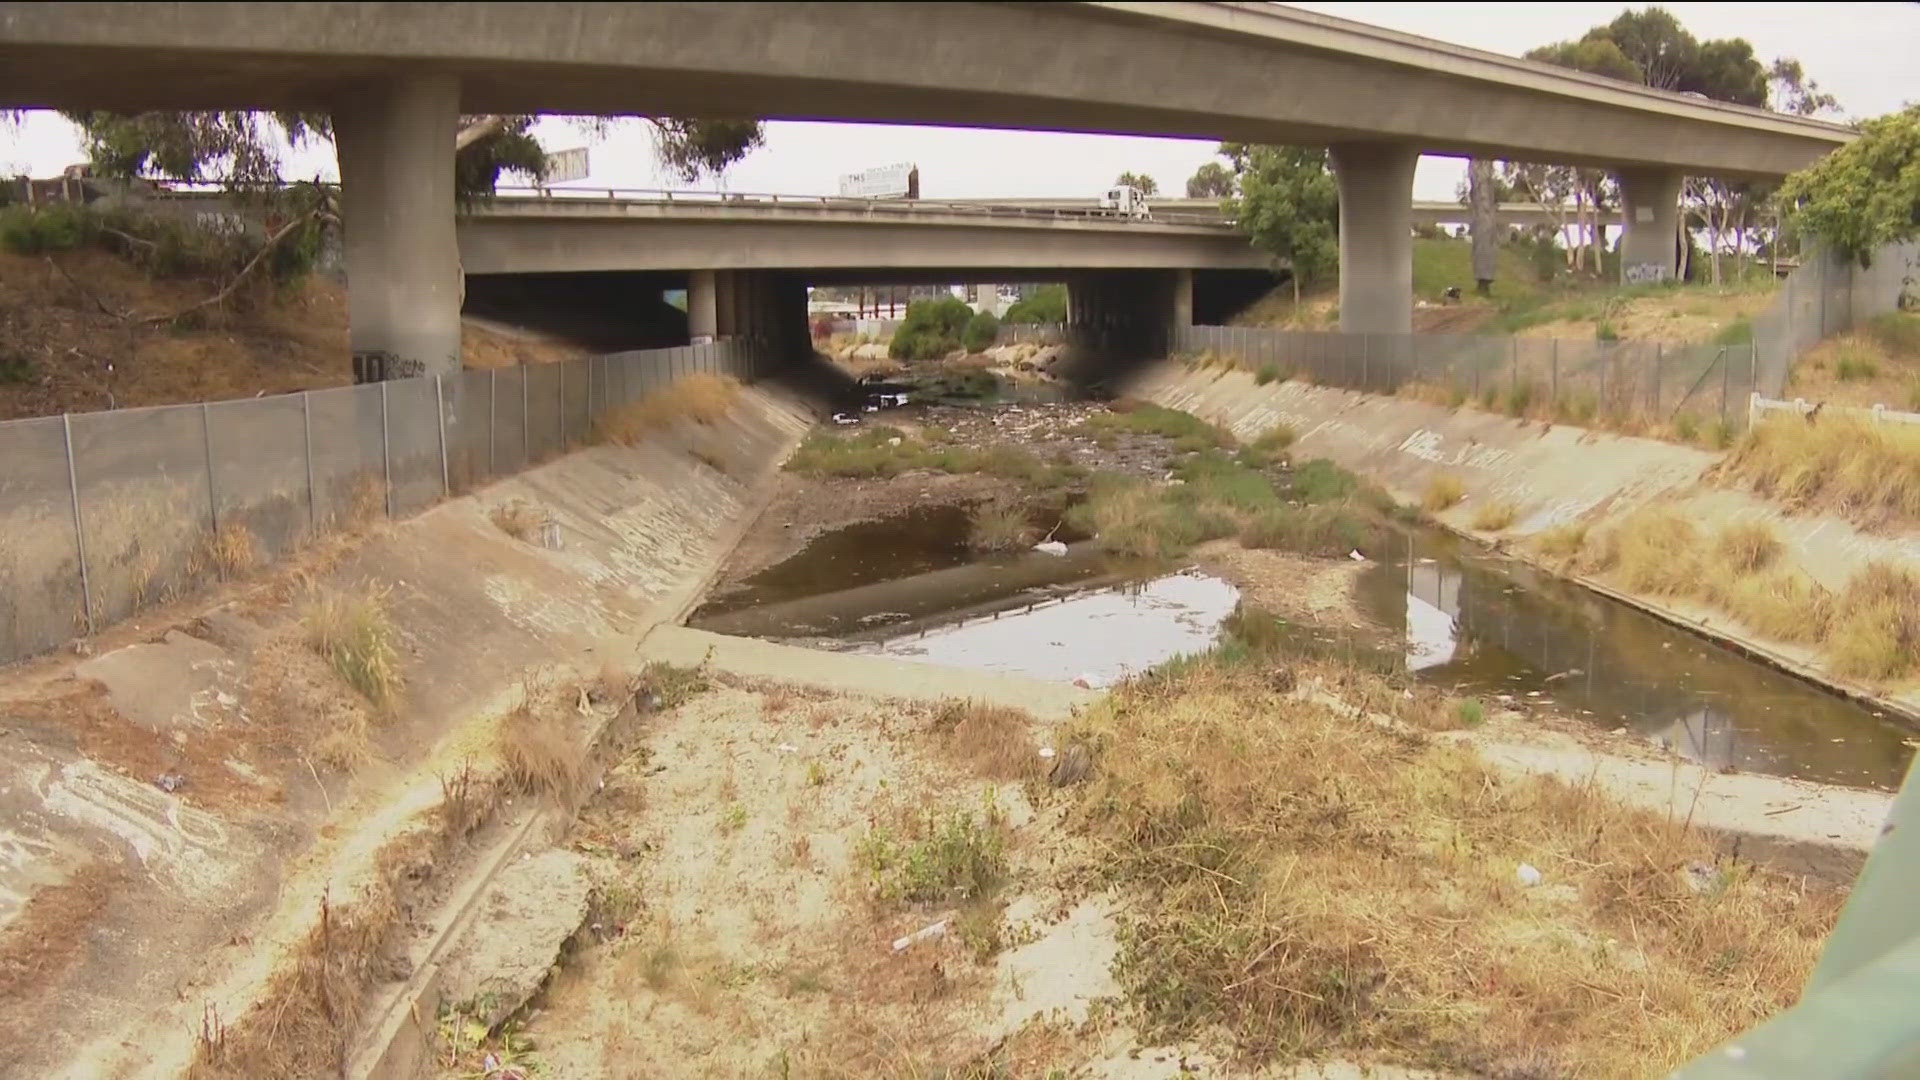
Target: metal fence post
point(1724, 365)
point(213, 498)
point(313, 495)
point(79, 531)
point(493, 418)
point(440, 418)
point(386, 450)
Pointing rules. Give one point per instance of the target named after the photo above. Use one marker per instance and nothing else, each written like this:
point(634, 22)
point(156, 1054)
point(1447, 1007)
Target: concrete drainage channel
point(877, 626)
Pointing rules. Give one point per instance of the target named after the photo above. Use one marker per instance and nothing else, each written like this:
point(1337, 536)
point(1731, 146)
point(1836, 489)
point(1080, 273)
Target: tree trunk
point(1485, 223)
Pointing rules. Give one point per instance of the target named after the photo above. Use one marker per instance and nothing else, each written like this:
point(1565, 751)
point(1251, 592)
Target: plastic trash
point(1529, 875)
point(1050, 547)
point(170, 782)
point(1046, 751)
point(1356, 556)
point(1086, 682)
point(845, 418)
point(925, 933)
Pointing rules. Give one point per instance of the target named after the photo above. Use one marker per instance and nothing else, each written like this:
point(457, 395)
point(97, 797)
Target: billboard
point(882, 182)
point(565, 165)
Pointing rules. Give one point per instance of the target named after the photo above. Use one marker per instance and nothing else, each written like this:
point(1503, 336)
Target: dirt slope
point(66, 347)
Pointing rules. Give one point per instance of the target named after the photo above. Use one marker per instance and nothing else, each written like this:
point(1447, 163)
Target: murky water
point(1463, 617)
point(1488, 625)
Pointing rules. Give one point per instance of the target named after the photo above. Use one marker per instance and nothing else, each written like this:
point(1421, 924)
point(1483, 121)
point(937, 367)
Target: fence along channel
point(103, 514)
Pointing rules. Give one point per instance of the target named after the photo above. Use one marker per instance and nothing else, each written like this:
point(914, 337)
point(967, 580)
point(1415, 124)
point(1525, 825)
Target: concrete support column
point(395, 144)
point(1650, 243)
point(1183, 298)
point(726, 314)
point(703, 307)
point(1376, 236)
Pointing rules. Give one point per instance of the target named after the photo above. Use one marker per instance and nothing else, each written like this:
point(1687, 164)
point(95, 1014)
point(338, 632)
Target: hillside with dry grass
point(78, 334)
point(1878, 364)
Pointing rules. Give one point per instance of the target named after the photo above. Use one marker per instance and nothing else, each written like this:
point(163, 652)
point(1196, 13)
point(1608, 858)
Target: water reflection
point(1099, 637)
point(1495, 628)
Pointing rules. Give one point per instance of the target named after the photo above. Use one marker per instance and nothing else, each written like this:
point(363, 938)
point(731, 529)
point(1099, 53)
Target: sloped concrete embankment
point(181, 811)
point(1553, 474)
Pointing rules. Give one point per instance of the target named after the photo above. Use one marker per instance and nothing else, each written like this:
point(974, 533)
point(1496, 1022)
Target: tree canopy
point(243, 148)
point(1210, 181)
point(1865, 194)
point(1141, 182)
point(1288, 203)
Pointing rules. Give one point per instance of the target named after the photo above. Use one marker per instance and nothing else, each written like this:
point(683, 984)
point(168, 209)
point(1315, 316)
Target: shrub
point(1876, 625)
point(1443, 491)
point(1783, 604)
point(1327, 530)
point(1267, 373)
point(1561, 541)
point(1747, 547)
point(998, 526)
point(1495, 515)
point(1605, 332)
point(1048, 304)
point(703, 398)
point(934, 860)
point(1855, 363)
point(981, 332)
point(1686, 427)
point(351, 631)
point(1320, 480)
point(1658, 551)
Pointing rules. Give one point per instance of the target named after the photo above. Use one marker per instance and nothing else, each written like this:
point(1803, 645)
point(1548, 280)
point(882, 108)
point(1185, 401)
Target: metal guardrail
point(770, 200)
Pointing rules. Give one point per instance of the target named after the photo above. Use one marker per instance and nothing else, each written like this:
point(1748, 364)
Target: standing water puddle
point(908, 587)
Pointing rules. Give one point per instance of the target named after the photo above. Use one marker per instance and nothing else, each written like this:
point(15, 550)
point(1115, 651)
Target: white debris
point(1050, 547)
point(925, 933)
point(1529, 876)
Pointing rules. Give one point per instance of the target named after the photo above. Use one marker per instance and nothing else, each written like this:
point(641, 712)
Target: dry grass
point(1876, 624)
point(1562, 541)
point(351, 630)
point(233, 550)
point(1654, 550)
point(1443, 491)
point(702, 398)
point(519, 519)
point(305, 1023)
point(538, 746)
point(1746, 547)
point(1866, 472)
point(995, 741)
point(998, 526)
point(1495, 515)
point(1783, 604)
point(1314, 885)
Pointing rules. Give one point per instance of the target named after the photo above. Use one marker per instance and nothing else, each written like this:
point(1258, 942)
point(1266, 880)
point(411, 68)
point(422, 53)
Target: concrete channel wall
point(210, 880)
point(1553, 473)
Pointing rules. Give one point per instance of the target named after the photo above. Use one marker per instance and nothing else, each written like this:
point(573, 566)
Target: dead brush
point(1867, 472)
point(1293, 870)
point(519, 519)
point(995, 741)
point(702, 398)
point(998, 526)
point(351, 630)
point(1443, 491)
point(1876, 624)
point(232, 550)
point(1562, 542)
point(538, 747)
point(1747, 547)
point(305, 1023)
point(1495, 516)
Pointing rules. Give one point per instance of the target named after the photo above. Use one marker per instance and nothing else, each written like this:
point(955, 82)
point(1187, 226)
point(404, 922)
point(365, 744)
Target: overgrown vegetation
point(162, 245)
point(1495, 515)
point(1316, 510)
point(1187, 431)
point(1870, 630)
point(702, 398)
point(982, 330)
point(929, 858)
point(1866, 472)
point(352, 631)
point(1443, 491)
point(1311, 883)
point(931, 329)
point(998, 526)
point(537, 745)
point(1047, 304)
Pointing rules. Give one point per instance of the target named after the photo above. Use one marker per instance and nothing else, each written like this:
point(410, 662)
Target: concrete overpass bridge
point(396, 77)
point(1424, 212)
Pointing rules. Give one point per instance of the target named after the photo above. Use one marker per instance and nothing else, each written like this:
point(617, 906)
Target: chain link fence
point(1580, 380)
point(1032, 334)
point(102, 514)
point(1830, 295)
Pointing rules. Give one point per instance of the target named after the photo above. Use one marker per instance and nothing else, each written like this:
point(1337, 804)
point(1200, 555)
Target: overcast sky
point(1865, 53)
